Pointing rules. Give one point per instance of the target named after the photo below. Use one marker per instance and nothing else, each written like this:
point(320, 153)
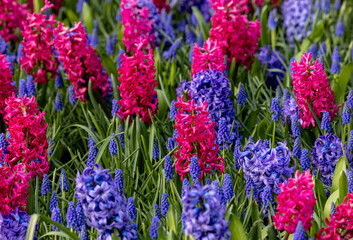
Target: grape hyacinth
point(350, 141)
point(64, 185)
point(131, 208)
point(336, 60)
point(305, 160)
point(81, 218)
point(45, 185)
point(59, 82)
point(350, 181)
point(115, 107)
point(325, 122)
point(295, 127)
point(53, 201)
point(154, 228)
point(155, 152)
point(168, 168)
point(56, 217)
point(313, 49)
point(71, 216)
point(157, 213)
point(113, 148)
point(72, 98)
point(272, 19)
point(58, 102)
point(276, 110)
point(299, 233)
point(241, 98)
point(346, 115)
point(340, 28)
point(219, 191)
point(121, 136)
point(228, 187)
point(164, 205)
point(22, 89)
point(171, 144)
point(195, 171)
point(119, 181)
point(186, 187)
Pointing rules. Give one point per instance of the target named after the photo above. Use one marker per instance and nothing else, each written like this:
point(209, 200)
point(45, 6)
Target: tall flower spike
point(113, 148)
point(164, 205)
point(350, 181)
point(115, 108)
point(155, 152)
point(58, 102)
point(28, 142)
point(157, 213)
point(273, 19)
point(340, 28)
point(195, 171)
point(56, 216)
point(228, 187)
point(168, 168)
point(308, 76)
point(72, 97)
point(241, 98)
point(131, 208)
point(305, 160)
point(22, 89)
point(299, 232)
point(45, 185)
point(346, 115)
point(336, 60)
point(6, 88)
point(119, 181)
point(71, 216)
point(210, 56)
point(64, 185)
point(350, 141)
point(295, 127)
point(53, 201)
point(137, 83)
point(290, 209)
point(38, 46)
point(59, 82)
point(171, 144)
point(223, 134)
point(325, 122)
point(267, 198)
point(154, 228)
point(186, 187)
point(92, 154)
point(81, 218)
point(276, 110)
point(173, 111)
point(121, 136)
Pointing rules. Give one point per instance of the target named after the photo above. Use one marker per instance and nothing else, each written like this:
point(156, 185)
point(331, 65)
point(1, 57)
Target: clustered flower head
point(295, 203)
point(295, 15)
point(232, 29)
point(136, 24)
point(105, 209)
point(6, 88)
point(28, 142)
point(325, 154)
point(196, 137)
point(14, 224)
point(37, 58)
point(137, 73)
point(210, 56)
point(204, 214)
point(213, 87)
point(80, 60)
point(312, 87)
point(12, 15)
point(341, 224)
point(265, 166)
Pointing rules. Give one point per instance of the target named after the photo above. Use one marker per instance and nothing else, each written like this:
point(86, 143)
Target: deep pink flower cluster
point(312, 87)
point(28, 142)
point(14, 187)
point(232, 29)
point(295, 203)
point(138, 96)
point(210, 56)
point(37, 58)
point(196, 137)
point(341, 224)
point(12, 16)
point(80, 60)
point(136, 24)
point(6, 88)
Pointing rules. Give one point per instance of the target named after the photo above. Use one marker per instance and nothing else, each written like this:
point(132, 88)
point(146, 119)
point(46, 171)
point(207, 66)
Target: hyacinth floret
point(295, 203)
point(210, 56)
point(103, 213)
point(311, 86)
point(137, 84)
point(14, 224)
point(204, 214)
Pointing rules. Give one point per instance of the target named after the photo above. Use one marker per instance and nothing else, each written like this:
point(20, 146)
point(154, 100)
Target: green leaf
point(343, 186)
point(320, 193)
point(162, 104)
point(236, 229)
point(272, 234)
point(202, 22)
point(264, 28)
point(260, 133)
point(32, 227)
point(332, 199)
point(71, 15)
point(340, 84)
point(87, 17)
point(340, 166)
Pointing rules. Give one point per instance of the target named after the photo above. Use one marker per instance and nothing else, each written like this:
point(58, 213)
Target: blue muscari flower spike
point(346, 115)
point(340, 28)
point(113, 148)
point(154, 228)
point(171, 53)
point(273, 19)
point(79, 5)
point(155, 152)
point(119, 181)
point(325, 5)
point(22, 89)
point(276, 110)
point(336, 60)
point(325, 122)
point(220, 192)
point(121, 136)
point(279, 93)
point(171, 144)
point(84, 233)
point(51, 147)
point(349, 101)
point(168, 168)
point(31, 87)
point(267, 198)
point(299, 232)
point(94, 35)
point(164, 205)
point(118, 15)
point(53, 201)
point(337, 5)
point(186, 187)
point(4, 143)
point(59, 82)
point(72, 98)
point(58, 102)
point(305, 160)
point(297, 150)
point(157, 213)
point(81, 218)
point(91, 142)
point(290, 66)
point(195, 171)
point(173, 111)
point(92, 154)
point(19, 52)
point(333, 208)
point(11, 58)
point(228, 187)
point(131, 208)
point(200, 39)
point(236, 155)
point(71, 216)
point(191, 53)
point(322, 50)
point(241, 99)
point(208, 181)
point(350, 141)
point(350, 181)
point(55, 216)
point(286, 94)
point(45, 185)
point(64, 185)
point(121, 52)
point(295, 127)
point(4, 46)
point(250, 184)
point(223, 133)
point(313, 49)
point(115, 108)
point(189, 36)
point(109, 46)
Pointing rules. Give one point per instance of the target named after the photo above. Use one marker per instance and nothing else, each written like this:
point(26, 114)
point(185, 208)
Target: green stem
point(344, 133)
point(273, 135)
point(171, 186)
